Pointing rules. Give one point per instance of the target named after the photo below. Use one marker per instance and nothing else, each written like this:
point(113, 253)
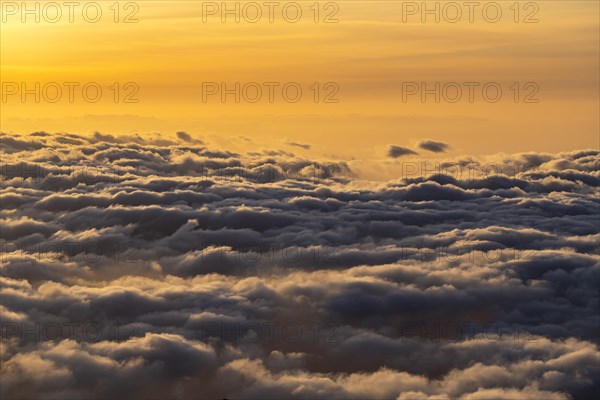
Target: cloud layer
point(159, 268)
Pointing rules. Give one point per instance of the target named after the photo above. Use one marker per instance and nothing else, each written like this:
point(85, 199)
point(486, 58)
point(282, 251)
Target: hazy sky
point(394, 208)
point(368, 55)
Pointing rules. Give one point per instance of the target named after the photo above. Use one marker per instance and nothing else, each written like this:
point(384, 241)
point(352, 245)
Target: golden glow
point(368, 54)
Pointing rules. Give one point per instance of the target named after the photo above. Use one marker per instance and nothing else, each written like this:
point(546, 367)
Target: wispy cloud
point(433, 146)
point(399, 151)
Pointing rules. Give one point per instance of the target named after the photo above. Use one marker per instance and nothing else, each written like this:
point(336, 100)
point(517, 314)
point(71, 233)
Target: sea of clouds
point(165, 268)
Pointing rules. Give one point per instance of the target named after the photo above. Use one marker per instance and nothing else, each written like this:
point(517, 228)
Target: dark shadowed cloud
point(296, 144)
point(433, 146)
point(184, 136)
point(398, 151)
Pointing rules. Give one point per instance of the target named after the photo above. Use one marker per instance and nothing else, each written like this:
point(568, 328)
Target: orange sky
point(368, 54)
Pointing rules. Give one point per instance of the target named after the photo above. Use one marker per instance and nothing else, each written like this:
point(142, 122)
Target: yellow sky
point(170, 52)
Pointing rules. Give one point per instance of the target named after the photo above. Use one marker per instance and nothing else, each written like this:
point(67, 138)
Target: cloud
point(184, 136)
point(187, 138)
point(178, 270)
point(433, 146)
point(398, 151)
point(296, 144)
